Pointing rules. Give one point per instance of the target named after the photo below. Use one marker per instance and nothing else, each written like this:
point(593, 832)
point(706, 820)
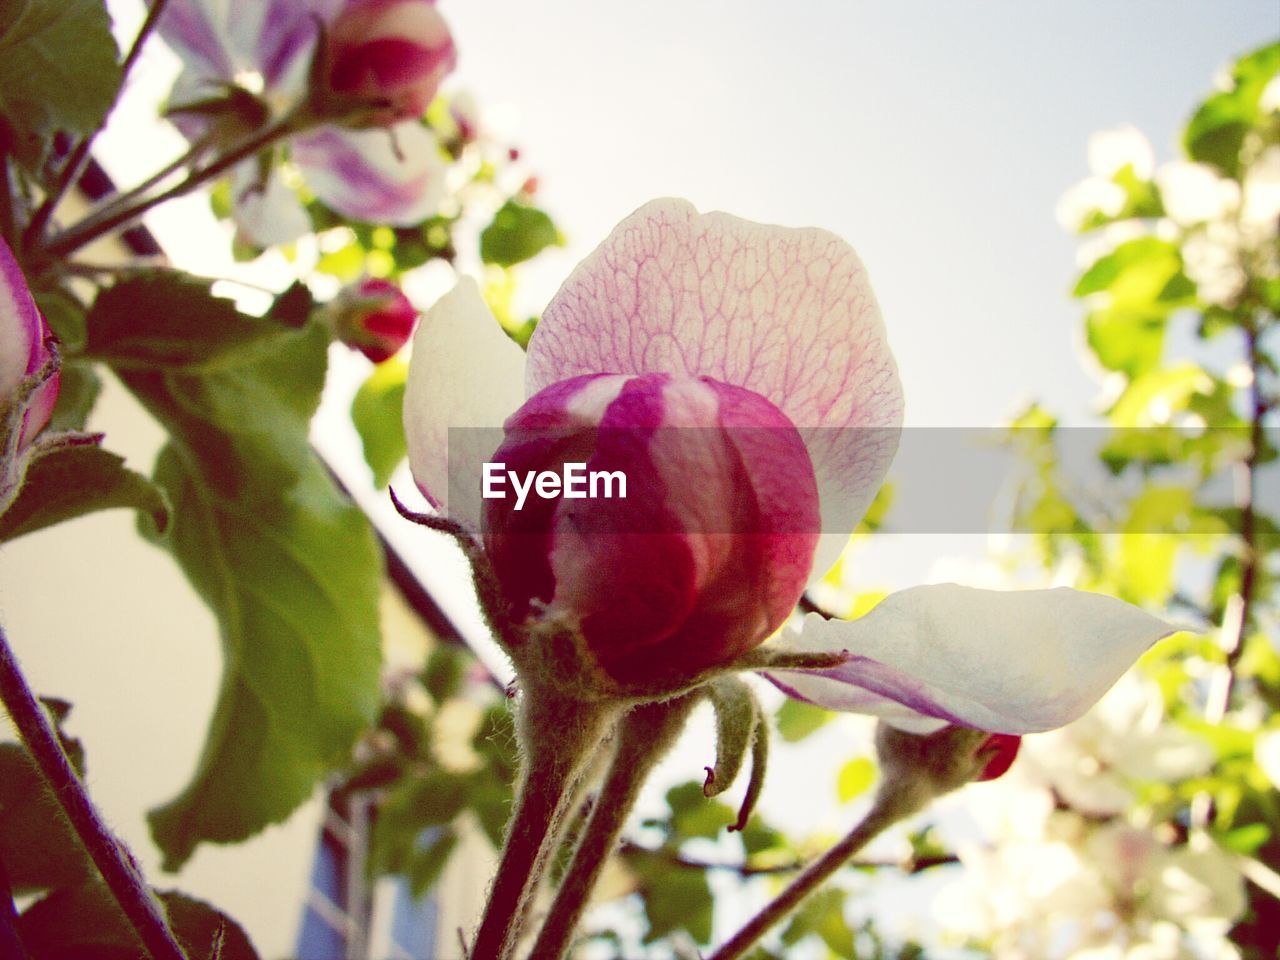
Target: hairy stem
point(559, 736)
point(897, 799)
point(644, 737)
point(118, 869)
point(79, 157)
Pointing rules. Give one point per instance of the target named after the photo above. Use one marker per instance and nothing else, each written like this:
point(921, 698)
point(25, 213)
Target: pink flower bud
point(24, 349)
point(707, 552)
point(375, 317)
point(390, 50)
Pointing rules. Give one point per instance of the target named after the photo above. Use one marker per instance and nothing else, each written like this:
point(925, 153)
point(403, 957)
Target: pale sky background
point(936, 137)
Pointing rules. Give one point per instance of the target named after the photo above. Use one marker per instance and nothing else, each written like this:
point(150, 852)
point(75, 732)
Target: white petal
point(1004, 661)
point(269, 213)
point(467, 374)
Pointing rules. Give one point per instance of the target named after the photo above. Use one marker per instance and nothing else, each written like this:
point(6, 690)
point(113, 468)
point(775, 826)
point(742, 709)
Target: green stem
point(559, 734)
point(896, 800)
point(644, 738)
point(118, 869)
point(96, 225)
point(76, 162)
point(122, 200)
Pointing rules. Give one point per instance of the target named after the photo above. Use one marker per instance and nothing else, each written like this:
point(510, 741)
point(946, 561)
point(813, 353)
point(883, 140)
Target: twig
point(118, 869)
point(909, 865)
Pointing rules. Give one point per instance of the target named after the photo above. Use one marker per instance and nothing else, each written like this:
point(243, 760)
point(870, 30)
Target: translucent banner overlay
point(942, 480)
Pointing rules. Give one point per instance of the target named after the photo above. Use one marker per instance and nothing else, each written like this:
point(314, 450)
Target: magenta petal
point(786, 313)
point(24, 349)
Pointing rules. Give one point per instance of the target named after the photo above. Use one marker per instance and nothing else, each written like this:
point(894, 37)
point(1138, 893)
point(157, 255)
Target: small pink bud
point(704, 557)
point(25, 349)
point(396, 51)
point(373, 316)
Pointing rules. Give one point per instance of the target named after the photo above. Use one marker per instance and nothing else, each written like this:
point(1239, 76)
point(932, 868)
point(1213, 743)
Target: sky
point(934, 137)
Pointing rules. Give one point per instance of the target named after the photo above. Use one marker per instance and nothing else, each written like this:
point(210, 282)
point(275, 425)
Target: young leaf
point(68, 482)
point(58, 71)
point(291, 569)
point(376, 414)
point(38, 848)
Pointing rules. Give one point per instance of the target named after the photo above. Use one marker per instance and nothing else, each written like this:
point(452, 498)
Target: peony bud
point(700, 561)
point(25, 352)
point(392, 51)
point(373, 316)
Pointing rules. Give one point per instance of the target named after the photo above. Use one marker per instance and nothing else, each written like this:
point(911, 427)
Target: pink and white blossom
point(24, 351)
point(393, 175)
point(711, 324)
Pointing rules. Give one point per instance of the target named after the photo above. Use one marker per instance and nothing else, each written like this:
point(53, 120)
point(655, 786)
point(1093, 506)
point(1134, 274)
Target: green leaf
point(377, 415)
point(58, 71)
point(797, 719)
point(69, 482)
point(290, 568)
point(78, 389)
point(38, 848)
point(854, 778)
point(517, 233)
point(675, 898)
point(823, 914)
point(168, 320)
point(693, 815)
point(86, 923)
point(65, 315)
point(1217, 129)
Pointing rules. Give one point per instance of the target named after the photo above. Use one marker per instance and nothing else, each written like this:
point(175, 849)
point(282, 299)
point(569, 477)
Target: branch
point(909, 865)
point(118, 868)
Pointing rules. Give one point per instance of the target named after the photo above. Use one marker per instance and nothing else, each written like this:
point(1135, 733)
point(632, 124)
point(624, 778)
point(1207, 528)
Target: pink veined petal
point(786, 313)
point(393, 175)
point(465, 373)
point(193, 29)
point(1003, 661)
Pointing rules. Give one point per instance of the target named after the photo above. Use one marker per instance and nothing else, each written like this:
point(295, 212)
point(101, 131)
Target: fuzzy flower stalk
point(738, 376)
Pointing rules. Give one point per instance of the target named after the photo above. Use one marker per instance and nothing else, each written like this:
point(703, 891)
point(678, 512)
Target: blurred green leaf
point(823, 914)
point(675, 898)
point(377, 415)
point(855, 778)
point(1217, 129)
point(58, 72)
point(693, 815)
point(290, 568)
point(797, 719)
point(69, 482)
point(518, 233)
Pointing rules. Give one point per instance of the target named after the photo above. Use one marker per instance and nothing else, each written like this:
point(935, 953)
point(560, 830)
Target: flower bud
point(703, 557)
point(25, 352)
point(373, 316)
point(390, 51)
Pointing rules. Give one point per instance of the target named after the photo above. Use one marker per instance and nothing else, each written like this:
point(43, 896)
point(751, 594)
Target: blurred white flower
point(1110, 151)
point(1266, 752)
point(1194, 193)
point(1089, 196)
point(1093, 763)
point(1211, 258)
